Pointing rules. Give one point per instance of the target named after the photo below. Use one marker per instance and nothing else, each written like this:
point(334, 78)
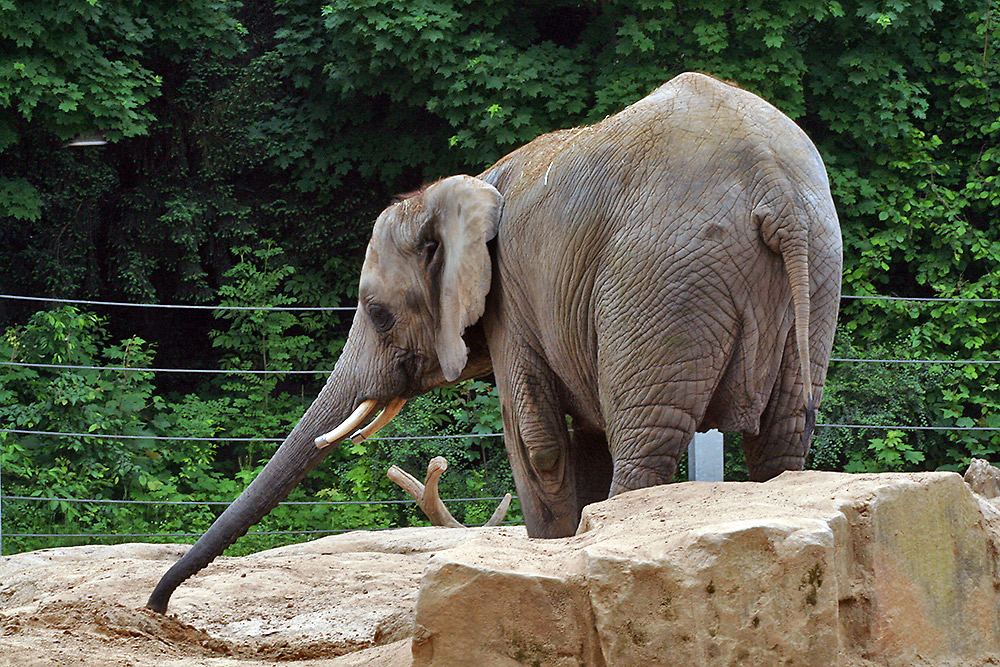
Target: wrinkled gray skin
point(672, 269)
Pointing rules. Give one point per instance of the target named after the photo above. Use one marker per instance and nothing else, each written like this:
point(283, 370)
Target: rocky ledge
point(809, 569)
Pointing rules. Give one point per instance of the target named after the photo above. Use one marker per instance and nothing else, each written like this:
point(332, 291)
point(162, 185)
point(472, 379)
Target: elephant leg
point(538, 445)
point(780, 446)
point(655, 386)
point(647, 444)
point(782, 443)
point(656, 379)
point(593, 464)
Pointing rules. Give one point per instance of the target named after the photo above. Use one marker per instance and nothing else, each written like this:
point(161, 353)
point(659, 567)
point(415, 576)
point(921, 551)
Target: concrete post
point(705, 457)
point(1, 501)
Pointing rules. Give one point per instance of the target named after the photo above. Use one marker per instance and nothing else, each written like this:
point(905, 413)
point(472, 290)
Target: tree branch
point(429, 500)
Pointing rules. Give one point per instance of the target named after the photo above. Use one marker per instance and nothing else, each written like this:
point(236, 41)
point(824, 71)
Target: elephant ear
point(466, 212)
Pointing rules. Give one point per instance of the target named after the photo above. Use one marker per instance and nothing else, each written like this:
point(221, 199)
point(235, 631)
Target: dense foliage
point(252, 143)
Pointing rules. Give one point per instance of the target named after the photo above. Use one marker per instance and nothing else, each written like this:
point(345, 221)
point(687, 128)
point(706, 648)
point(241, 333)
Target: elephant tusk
point(384, 417)
point(357, 417)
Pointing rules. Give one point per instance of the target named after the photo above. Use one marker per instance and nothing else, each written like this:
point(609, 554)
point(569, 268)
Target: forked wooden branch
point(429, 500)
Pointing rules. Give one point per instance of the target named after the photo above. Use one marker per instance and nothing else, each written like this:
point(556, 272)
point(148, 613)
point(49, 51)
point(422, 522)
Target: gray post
point(705, 457)
point(1, 499)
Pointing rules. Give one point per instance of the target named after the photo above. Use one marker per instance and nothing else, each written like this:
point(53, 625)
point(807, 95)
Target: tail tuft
point(807, 434)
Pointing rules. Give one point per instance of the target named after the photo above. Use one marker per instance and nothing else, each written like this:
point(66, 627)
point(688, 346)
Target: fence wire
point(212, 503)
point(335, 531)
point(116, 436)
point(178, 306)
point(925, 299)
point(101, 501)
point(875, 298)
point(331, 531)
point(184, 306)
point(135, 369)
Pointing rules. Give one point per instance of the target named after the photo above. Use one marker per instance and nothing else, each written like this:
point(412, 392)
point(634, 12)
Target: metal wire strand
point(944, 362)
point(101, 501)
point(178, 306)
point(83, 302)
point(116, 436)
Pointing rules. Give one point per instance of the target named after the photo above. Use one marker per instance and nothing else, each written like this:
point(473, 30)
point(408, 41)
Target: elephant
point(672, 268)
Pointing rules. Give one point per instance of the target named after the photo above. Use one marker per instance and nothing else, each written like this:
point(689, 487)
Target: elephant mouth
point(351, 425)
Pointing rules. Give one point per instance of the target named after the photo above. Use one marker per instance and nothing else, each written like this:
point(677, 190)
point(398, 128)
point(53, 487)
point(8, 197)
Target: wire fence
point(216, 503)
point(122, 369)
point(182, 306)
point(206, 503)
point(136, 369)
point(176, 306)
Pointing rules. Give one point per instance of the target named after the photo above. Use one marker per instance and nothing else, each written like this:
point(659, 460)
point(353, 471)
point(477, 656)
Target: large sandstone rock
point(808, 569)
point(983, 478)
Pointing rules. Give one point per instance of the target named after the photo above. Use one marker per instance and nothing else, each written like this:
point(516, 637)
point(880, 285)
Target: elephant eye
point(381, 317)
point(432, 249)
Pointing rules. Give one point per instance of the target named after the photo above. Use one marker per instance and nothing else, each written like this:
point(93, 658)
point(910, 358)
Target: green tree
point(235, 124)
point(86, 402)
point(153, 215)
point(267, 340)
point(85, 66)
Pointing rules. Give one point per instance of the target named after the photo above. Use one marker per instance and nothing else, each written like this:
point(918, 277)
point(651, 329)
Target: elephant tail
point(796, 257)
point(792, 243)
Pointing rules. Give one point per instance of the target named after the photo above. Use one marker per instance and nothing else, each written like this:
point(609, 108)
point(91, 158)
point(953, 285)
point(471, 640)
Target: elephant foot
point(771, 468)
point(632, 474)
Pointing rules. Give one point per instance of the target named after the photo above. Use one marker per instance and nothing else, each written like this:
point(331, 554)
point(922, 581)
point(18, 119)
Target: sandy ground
point(343, 600)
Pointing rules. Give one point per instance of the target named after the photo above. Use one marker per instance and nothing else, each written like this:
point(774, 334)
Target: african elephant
point(673, 268)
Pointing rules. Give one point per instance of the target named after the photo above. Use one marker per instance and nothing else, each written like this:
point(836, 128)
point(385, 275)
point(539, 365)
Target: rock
point(808, 569)
point(983, 478)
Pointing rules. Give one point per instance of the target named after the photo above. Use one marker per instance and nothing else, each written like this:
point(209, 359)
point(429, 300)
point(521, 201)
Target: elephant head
point(424, 281)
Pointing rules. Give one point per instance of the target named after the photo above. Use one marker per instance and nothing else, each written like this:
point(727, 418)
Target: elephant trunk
point(291, 462)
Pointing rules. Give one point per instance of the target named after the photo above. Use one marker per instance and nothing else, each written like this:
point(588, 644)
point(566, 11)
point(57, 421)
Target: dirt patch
point(338, 601)
point(112, 624)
